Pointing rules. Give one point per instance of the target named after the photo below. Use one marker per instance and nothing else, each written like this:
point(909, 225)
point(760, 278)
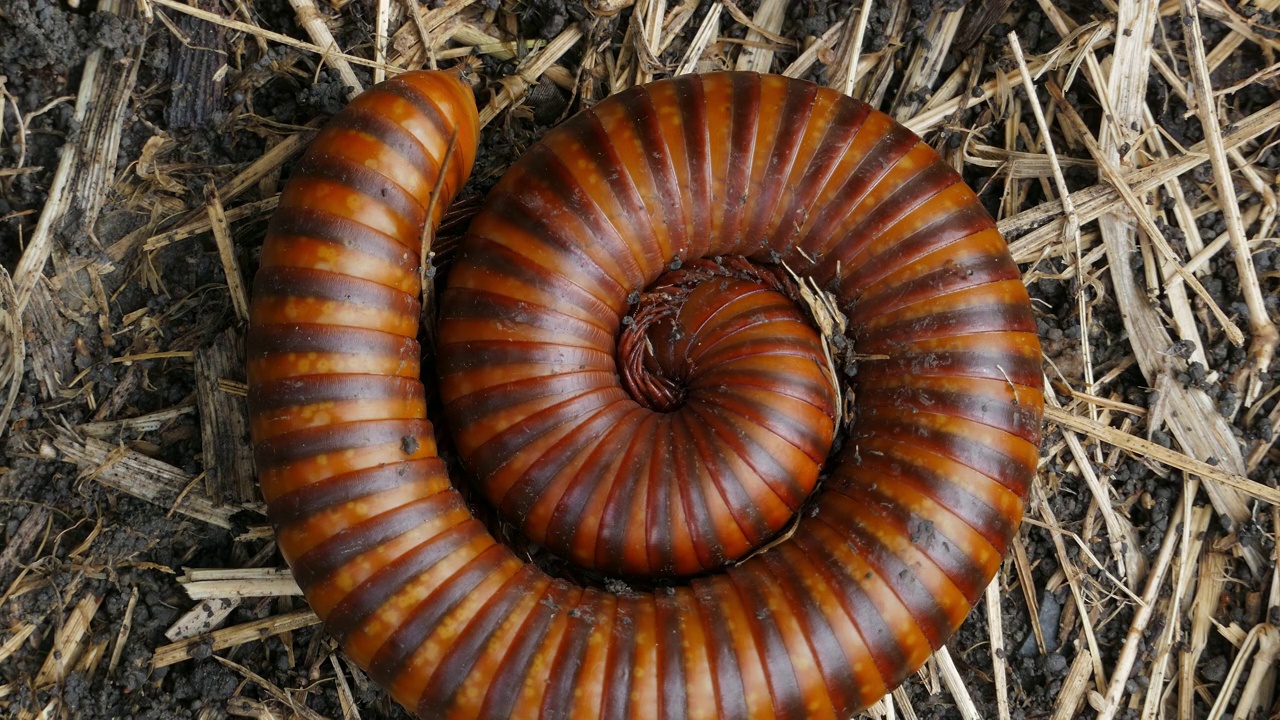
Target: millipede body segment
point(684, 455)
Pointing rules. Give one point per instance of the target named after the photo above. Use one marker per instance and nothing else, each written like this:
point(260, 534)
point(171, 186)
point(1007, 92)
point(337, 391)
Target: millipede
point(626, 375)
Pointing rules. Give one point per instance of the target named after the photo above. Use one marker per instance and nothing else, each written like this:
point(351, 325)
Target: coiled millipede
point(708, 444)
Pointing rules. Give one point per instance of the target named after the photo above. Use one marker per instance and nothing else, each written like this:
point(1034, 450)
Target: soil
point(68, 536)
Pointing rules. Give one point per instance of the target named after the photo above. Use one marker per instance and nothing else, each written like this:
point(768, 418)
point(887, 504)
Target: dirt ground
point(143, 147)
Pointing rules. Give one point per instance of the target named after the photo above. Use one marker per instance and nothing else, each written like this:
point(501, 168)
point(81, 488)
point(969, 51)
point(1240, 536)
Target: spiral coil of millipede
point(688, 455)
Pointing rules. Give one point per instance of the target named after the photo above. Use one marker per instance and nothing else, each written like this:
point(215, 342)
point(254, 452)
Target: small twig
point(1143, 614)
point(1265, 335)
point(350, 711)
point(122, 636)
point(930, 119)
point(1092, 202)
point(200, 224)
point(1209, 571)
point(68, 642)
point(237, 583)
point(428, 231)
point(313, 22)
point(16, 640)
point(230, 637)
point(1266, 638)
point(705, 35)
point(955, 683)
point(1071, 230)
point(1107, 403)
point(159, 355)
point(764, 25)
point(805, 60)
point(382, 14)
point(299, 710)
point(17, 345)
point(271, 160)
point(143, 477)
point(1119, 530)
point(1074, 686)
point(927, 59)
point(1026, 581)
point(1159, 453)
point(424, 35)
point(995, 628)
point(1112, 174)
point(847, 75)
point(1258, 77)
point(58, 199)
point(1072, 574)
point(514, 87)
point(255, 31)
point(227, 253)
point(650, 41)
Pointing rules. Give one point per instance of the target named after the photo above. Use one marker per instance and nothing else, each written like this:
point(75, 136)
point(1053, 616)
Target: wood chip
point(707, 32)
point(87, 165)
point(230, 637)
point(15, 640)
point(239, 583)
point(849, 71)
point(313, 22)
point(150, 422)
point(926, 61)
point(227, 253)
point(33, 527)
point(954, 681)
point(762, 35)
point(205, 617)
point(14, 357)
point(1074, 686)
point(68, 642)
point(122, 636)
point(1212, 576)
point(224, 423)
point(145, 478)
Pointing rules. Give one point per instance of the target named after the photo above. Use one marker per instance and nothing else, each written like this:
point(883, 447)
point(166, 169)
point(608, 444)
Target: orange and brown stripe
point(883, 566)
